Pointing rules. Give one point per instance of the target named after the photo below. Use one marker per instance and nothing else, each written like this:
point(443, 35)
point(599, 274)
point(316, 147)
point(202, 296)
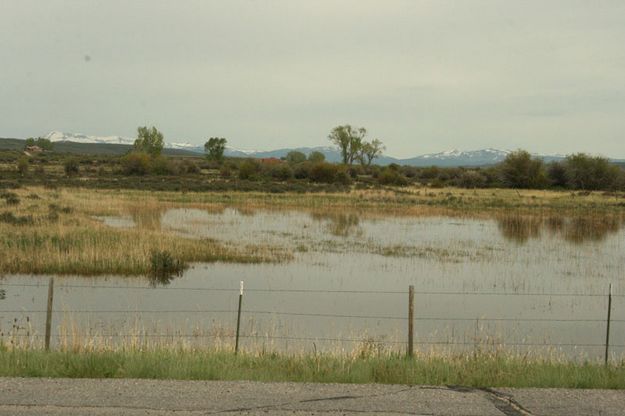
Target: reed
point(56, 233)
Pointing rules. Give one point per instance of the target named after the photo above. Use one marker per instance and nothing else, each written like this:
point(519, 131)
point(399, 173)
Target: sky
point(422, 76)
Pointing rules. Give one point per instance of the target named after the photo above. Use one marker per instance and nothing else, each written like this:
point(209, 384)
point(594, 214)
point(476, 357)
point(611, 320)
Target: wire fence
point(406, 321)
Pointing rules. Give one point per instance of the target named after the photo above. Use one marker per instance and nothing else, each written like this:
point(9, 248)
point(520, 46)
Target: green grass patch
point(473, 370)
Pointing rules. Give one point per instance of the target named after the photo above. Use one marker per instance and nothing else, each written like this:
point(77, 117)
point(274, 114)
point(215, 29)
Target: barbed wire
point(323, 339)
point(346, 291)
point(304, 314)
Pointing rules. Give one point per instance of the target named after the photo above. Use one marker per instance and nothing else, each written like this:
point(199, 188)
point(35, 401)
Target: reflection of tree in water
point(162, 279)
point(519, 228)
point(578, 229)
point(581, 229)
point(340, 225)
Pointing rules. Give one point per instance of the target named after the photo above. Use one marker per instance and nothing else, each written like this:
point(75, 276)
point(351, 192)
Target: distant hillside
point(88, 148)
point(117, 145)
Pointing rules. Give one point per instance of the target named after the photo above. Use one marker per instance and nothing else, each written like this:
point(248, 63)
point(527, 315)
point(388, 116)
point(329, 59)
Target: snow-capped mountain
point(450, 158)
point(57, 136)
point(457, 157)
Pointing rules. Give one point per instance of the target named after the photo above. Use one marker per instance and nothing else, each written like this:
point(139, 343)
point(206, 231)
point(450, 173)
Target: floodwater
point(527, 283)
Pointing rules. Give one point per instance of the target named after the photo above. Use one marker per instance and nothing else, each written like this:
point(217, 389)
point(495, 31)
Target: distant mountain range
point(451, 158)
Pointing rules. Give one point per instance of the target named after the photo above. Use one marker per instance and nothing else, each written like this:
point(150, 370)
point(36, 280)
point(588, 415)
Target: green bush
point(281, 172)
point(391, 176)
point(249, 169)
point(160, 165)
point(323, 172)
point(294, 157)
point(590, 173)
point(136, 163)
point(187, 166)
point(520, 170)
point(316, 157)
point(471, 179)
point(71, 167)
point(22, 165)
point(302, 170)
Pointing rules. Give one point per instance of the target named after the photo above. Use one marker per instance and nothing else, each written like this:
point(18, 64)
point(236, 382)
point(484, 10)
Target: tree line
point(519, 169)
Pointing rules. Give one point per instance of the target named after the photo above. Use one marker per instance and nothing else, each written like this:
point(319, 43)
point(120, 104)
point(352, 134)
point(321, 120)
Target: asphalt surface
point(72, 397)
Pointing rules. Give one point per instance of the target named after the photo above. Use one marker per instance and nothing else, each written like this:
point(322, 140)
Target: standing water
point(525, 283)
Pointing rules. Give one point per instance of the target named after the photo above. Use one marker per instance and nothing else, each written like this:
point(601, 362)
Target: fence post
point(410, 320)
point(49, 312)
point(607, 332)
point(236, 343)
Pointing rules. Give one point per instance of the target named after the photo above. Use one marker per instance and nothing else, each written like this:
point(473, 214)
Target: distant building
point(270, 161)
point(33, 149)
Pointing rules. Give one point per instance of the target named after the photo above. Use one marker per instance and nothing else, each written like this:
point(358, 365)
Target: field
point(119, 235)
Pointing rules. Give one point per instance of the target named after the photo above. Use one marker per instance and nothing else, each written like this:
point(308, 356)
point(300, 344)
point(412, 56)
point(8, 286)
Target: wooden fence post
point(410, 320)
point(49, 312)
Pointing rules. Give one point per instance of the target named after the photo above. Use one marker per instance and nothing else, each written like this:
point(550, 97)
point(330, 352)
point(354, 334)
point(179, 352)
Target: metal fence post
point(49, 312)
point(236, 344)
point(607, 332)
point(410, 320)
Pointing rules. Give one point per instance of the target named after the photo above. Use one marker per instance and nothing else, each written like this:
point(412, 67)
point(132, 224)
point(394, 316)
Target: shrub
point(22, 165)
point(471, 179)
point(316, 157)
point(71, 167)
point(160, 165)
point(164, 266)
point(188, 167)
point(136, 163)
point(11, 198)
point(249, 169)
point(556, 174)
point(392, 176)
point(586, 172)
point(520, 170)
point(302, 170)
point(10, 218)
point(281, 172)
point(294, 157)
point(323, 172)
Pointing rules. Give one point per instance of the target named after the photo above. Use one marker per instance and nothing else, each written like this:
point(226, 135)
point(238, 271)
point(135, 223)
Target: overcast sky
point(423, 76)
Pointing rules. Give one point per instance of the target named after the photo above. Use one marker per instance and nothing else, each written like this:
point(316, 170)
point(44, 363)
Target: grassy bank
point(475, 370)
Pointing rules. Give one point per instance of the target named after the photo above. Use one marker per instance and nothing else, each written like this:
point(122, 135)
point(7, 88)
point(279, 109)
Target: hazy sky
point(423, 76)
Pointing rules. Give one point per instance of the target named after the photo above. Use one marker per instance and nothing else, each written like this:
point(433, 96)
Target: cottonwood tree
point(369, 151)
point(520, 170)
point(149, 140)
point(316, 157)
point(349, 140)
point(215, 148)
point(294, 157)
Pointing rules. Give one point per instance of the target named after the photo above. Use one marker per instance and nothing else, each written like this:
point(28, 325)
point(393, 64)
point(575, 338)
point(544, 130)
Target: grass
point(55, 233)
point(475, 370)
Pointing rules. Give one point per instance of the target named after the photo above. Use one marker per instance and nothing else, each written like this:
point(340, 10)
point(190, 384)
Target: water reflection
point(147, 217)
point(162, 279)
point(578, 230)
point(340, 225)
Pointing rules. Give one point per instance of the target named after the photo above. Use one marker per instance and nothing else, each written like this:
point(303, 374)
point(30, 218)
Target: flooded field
point(529, 283)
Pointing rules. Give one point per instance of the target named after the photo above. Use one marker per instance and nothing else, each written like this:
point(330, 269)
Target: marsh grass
point(57, 234)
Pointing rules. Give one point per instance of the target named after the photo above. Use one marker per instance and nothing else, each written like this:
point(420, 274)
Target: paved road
point(21, 397)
